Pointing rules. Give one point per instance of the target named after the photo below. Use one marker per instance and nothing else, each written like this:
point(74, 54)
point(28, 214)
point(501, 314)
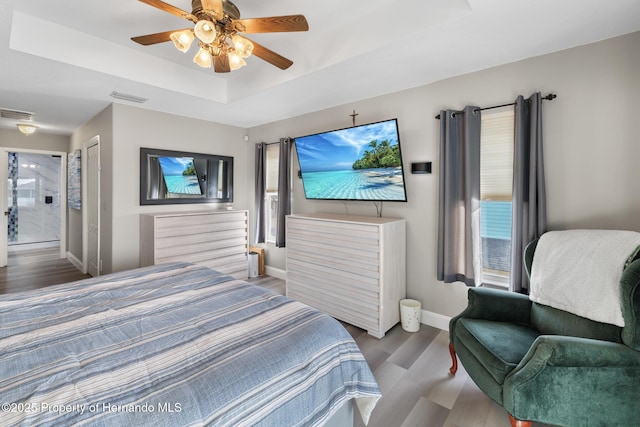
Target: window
point(496, 181)
point(271, 192)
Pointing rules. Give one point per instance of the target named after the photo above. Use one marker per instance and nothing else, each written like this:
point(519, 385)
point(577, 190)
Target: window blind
point(496, 182)
point(496, 155)
point(271, 179)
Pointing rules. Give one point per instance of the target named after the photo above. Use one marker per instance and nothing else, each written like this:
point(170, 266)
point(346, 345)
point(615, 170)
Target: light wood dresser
point(215, 239)
point(351, 267)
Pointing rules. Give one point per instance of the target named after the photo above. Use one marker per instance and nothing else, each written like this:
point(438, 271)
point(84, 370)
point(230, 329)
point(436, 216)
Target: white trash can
point(253, 264)
point(410, 313)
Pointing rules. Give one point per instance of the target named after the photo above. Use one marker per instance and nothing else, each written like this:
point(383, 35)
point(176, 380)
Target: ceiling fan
point(217, 31)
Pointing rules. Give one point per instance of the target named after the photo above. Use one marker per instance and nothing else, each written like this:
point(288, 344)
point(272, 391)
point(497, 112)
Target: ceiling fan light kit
point(242, 46)
point(182, 40)
point(203, 58)
point(236, 61)
point(205, 31)
point(217, 28)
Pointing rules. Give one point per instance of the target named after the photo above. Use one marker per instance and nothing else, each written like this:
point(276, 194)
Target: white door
point(92, 207)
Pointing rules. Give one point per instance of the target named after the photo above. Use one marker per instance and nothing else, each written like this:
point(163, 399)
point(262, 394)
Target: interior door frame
point(4, 202)
point(85, 211)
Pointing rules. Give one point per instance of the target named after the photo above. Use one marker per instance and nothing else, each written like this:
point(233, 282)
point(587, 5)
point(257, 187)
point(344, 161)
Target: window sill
point(495, 281)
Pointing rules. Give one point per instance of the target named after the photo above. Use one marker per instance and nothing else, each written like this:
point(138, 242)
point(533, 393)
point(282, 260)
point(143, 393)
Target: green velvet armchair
point(547, 365)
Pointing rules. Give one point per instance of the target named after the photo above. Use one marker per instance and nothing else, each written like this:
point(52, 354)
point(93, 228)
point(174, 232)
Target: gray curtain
point(459, 256)
point(284, 190)
point(156, 187)
point(529, 219)
point(261, 155)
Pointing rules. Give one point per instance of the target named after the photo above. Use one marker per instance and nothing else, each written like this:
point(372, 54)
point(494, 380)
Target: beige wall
point(123, 130)
point(37, 141)
point(100, 125)
point(591, 142)
point(591, 153)
point(134, 128)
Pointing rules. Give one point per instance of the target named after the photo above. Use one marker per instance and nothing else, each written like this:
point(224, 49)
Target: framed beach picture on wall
point(74, 196)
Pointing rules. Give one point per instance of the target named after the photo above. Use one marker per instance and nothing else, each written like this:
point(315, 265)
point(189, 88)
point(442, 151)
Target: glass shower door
point(12, 192)
point(33, 199)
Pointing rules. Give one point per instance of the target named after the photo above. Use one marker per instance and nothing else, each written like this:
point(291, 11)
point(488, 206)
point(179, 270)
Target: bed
point(174, 344)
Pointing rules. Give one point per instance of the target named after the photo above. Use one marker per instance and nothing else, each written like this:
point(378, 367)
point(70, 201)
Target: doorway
point(33, 202)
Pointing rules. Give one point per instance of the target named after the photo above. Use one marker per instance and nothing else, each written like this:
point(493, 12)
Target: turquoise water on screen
point(364, 184)
point(182, 184)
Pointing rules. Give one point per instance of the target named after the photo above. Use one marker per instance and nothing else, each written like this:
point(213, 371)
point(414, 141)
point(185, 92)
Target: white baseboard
point(275, 272)
point(435, 320)
point(75, 261)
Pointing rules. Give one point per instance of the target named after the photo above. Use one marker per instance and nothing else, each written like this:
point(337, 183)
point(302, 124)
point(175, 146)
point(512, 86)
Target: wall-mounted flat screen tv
point(179, 174)
point(358, 163)
point(175, 177)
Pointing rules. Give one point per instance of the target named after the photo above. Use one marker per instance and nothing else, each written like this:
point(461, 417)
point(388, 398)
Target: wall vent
point(16, 115)
point(127, 97)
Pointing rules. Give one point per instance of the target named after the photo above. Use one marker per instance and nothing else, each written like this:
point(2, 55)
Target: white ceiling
point(61, 59)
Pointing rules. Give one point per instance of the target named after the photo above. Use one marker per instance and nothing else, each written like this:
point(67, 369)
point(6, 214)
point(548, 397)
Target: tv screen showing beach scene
point(180, 175)
point(358, 163)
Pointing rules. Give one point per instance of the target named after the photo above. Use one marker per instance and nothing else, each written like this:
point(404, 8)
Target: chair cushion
point(551, 321)
point(498, 346)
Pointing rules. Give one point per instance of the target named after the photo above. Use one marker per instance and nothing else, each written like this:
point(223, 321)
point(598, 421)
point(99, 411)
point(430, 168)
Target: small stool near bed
point(568, 354)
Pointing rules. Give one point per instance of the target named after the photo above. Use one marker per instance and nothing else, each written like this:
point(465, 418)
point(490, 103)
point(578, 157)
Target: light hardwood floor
point(412, 369)
point(36, 268)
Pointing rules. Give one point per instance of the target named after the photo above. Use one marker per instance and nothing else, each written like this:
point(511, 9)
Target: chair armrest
point(575, 381)
point(496, 305)
point(574, 352)
point(630, 296)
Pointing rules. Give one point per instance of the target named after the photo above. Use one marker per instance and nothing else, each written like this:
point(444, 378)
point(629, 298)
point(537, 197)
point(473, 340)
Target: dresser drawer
point(215, 239)
point(351, 268)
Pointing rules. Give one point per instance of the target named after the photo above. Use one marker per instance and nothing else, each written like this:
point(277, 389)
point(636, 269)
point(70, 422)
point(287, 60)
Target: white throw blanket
point(579, 271)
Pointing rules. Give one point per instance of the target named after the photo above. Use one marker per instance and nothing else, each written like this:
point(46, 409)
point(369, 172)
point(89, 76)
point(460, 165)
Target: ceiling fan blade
point(166, 7)
point(221, 64)
point(273, 24)
point(215, 5)
point(270, 56)
point(149, 39)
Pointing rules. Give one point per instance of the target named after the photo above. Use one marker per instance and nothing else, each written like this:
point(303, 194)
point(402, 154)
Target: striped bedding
point(174, 345)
